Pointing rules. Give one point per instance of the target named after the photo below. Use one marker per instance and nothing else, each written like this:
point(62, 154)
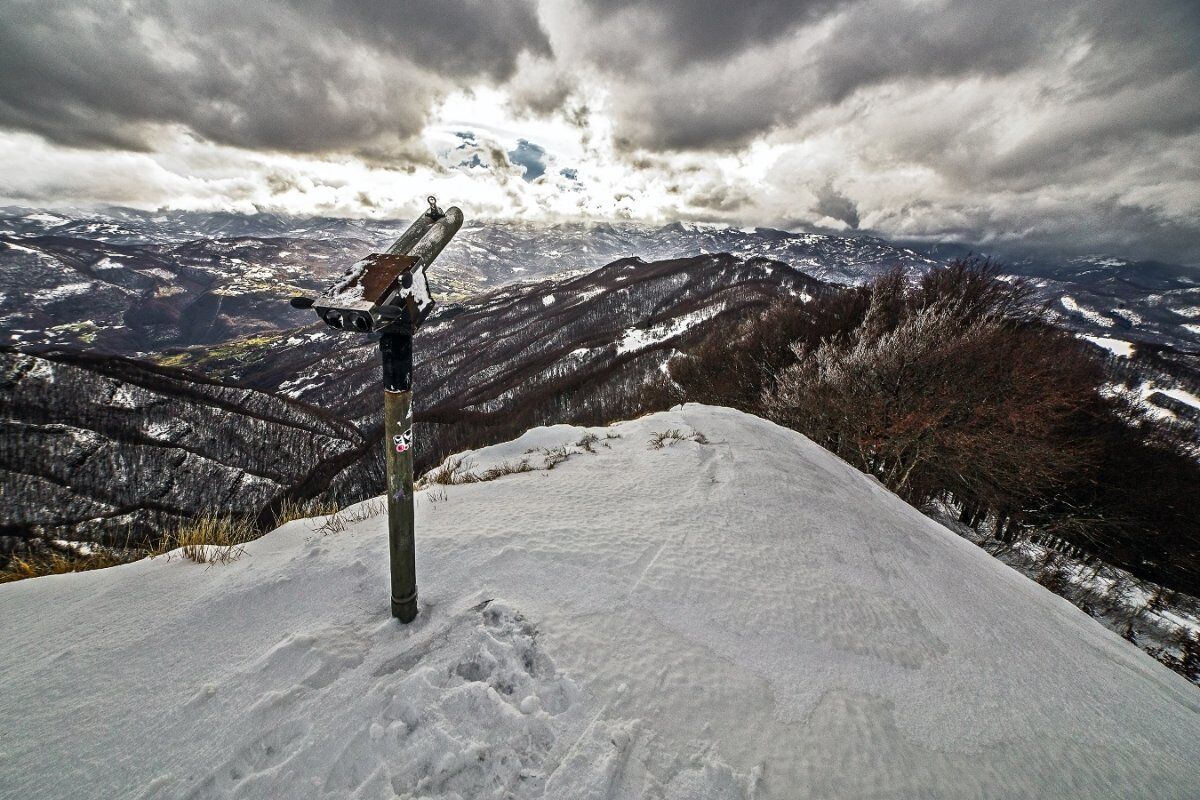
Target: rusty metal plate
point(368, 282)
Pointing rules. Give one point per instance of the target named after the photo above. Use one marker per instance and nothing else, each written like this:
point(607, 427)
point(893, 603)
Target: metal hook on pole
point(434, 211)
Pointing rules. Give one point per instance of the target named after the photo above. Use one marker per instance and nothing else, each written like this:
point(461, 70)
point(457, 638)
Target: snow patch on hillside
point(62, 291)
point(640, 338)
point(1143, 392)
point(1182, 395)
point(1115, 346)
point(1091, 315)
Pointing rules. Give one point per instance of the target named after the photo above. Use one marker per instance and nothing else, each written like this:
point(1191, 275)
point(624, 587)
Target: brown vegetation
point(957, 388)
point(56, 563)
point(210, 539)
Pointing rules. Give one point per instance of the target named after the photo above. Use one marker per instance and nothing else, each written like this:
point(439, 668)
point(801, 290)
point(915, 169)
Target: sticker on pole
point(403, 441)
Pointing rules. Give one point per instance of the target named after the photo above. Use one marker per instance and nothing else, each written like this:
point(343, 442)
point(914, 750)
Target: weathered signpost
point(389, 294)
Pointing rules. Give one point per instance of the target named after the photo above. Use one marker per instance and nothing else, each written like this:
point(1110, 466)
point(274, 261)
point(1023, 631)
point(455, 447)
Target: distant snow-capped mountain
point(132, 281)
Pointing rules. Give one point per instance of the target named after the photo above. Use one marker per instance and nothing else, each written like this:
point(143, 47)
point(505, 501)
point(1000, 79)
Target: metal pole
point(391, 295)
point(424, 241)
point(395, 348)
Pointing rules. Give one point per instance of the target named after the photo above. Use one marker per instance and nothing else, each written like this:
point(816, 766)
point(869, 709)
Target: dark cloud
point(720, 197)
point(458, 38)
point(531, 157)
point(708, 30)
point(677, 94)
point(835, 205)
point(1074, 123)
point(305, 76)
point(1108, 225)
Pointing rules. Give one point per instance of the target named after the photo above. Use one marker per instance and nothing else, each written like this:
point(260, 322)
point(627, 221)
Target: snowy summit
point(732, 613)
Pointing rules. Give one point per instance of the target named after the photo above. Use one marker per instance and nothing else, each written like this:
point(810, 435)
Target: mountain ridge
point(233, 271)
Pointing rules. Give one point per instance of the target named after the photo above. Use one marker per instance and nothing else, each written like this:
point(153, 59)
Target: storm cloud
point(677, 95)
point(303, 76)
point(835, 205)
point(1073, 124)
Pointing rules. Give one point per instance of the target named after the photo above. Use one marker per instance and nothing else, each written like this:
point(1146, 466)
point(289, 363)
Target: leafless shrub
point(957, 385)
point(946, 387)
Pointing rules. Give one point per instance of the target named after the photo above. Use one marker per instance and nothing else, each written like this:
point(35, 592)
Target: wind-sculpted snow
point(732, 615)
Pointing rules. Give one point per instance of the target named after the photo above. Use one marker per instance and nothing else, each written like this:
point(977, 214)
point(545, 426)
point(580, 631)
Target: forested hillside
point(119, 451)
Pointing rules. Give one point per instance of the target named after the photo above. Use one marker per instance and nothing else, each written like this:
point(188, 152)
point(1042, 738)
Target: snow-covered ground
point(639, 339)
point(1117, 347)
point(1090, 314)
point(1141, 394)
point(744, 617)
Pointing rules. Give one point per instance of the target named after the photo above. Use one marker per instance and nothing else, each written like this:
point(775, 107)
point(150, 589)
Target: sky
point(1072, 125)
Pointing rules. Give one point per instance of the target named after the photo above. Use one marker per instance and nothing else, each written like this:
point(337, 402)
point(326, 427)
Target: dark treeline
point(957, 388)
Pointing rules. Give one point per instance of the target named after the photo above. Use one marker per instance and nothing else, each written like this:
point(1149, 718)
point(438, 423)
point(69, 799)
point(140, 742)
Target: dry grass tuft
point(210, 539)
point(452, 472)
point(456, 471)
point(292, 510)
point(55, 563)
point(661, 439)
point(507, 468)
point(339, 520)
point(553, 456)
